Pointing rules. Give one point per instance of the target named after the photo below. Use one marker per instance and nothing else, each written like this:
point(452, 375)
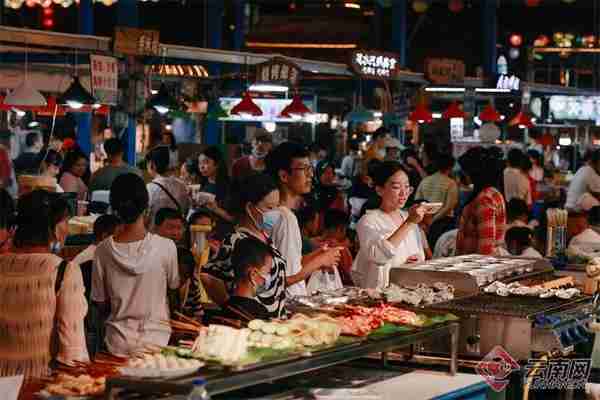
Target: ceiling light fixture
point(76, 96)
point(247, 107)
point(162, 102)
point(352, 5)
point(266, 87)
point(453, 111)
point(296, 109)
point(445, 89)
point(24, 95)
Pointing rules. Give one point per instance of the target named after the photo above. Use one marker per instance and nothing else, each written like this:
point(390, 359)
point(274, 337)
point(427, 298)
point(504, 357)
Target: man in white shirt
point(516, 183)
point(350, 162)
point(290, 166)
point(584, 189)
point(164, 191)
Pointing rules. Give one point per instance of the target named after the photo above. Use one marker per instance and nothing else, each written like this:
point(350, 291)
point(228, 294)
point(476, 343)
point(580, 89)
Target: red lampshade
point(247, 106)
point(522, 120)
point(295, 108)
point(421, 114)
point(546, 140)
point(453, 111)
point(489, 114)
point(456, 6)
point(532, 3)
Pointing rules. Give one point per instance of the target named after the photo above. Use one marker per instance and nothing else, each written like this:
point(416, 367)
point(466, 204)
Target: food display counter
point(222, 380)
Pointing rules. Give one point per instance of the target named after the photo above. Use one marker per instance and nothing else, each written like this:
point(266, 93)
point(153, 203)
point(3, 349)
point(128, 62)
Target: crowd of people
point(285, 220)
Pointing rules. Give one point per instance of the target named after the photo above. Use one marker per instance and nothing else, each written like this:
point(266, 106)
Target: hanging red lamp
point(522, 120)
point(546, 140)
point(453, 111)
point(421, 114)
point(489, 114)
point(247, 106)
point(295, 109)
point(532, 3)
point(456, 6)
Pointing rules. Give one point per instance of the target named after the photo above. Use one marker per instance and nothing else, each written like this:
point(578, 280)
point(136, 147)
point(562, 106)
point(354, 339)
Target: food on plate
point(163, 362)
point(517, 289)
point(361, 321)
point(419, 294)
point(223, 344)
point(70, 385)
point(359, 325)
point(298, 332)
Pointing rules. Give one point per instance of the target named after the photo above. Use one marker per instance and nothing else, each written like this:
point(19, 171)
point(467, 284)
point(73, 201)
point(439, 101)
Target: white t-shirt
point(133, 279)
point(585, 180)
point(446, 245)
point(516, 185)
point(287, 238)
point(376, 255)
point(530, 252)
point(587, 243)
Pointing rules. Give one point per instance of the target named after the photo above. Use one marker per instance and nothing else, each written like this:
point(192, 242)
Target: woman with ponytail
point(133, 271)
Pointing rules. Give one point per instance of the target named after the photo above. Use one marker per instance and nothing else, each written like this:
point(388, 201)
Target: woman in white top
point(389, 236)
point(132, 272)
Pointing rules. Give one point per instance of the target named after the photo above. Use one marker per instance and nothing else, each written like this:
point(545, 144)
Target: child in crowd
point(104, 226)
point(204, 217)
point(519, 240)
point(188, 299)
point(169, 224)
point(335, 235)
point(588, 241)
point(517, 214)
point(308, 219)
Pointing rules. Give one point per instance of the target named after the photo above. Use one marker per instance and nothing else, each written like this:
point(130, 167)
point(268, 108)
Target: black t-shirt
point(26, 163)
point(247, 306)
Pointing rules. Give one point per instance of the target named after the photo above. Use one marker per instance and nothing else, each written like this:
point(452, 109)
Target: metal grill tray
point(510, 306)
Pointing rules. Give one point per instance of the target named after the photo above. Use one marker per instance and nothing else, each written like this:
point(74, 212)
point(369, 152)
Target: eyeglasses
point(307, 169)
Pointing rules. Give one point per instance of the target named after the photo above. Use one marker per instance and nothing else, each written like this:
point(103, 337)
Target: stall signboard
point(445, 71)
point(578, 108)
point(278, 70)
point(137, 42)
point(374, 64)
point(104, 78)
point(508, 82)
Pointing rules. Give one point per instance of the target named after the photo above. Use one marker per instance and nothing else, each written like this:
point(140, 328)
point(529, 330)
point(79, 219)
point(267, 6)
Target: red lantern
point(456, 6)
point(532, 3)
point(247, 106)
point(295, 108)
point(489, 114)
point(453, 111)
point(421, 115)
point(515, 40)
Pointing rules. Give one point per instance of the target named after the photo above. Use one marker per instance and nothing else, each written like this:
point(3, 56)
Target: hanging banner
point(136, 42)
point(374, 64)
point(105, 79)
point(445, 71)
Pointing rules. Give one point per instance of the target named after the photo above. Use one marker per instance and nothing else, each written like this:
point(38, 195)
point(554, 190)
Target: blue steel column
point(214, 29)
point(490, 33)
point(84, 119)
point(127, 15)
point(399, 10)
point(239, 34)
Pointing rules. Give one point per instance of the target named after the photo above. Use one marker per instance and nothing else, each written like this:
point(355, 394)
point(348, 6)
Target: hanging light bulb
point(522, 120)
point(420, 6)
point(76, 96)
point(247, 107)
point(421, 114)
point(162, 102)
point(489, 114)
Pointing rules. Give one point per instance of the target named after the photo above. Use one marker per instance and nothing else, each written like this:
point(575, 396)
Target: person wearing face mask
point(255, 162)
point(43, 307)
point(252, 260)
point(388, 236)
point(257, 195)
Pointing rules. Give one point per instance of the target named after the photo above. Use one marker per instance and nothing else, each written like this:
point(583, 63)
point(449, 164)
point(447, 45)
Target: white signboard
point(105, 78)
point(374, 64)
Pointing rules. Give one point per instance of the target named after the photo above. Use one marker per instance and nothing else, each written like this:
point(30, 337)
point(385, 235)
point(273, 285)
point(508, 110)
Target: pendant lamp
point(421, 114)
point(522, 120)
point(76, 96)
point(24, 95)
point(247, 107)
point(162, 101)
point(489, 114)
point(216, 112)
point(296, 109)
point(453, 111)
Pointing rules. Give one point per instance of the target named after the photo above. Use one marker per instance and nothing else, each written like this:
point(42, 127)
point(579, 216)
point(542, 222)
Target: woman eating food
point(388, 235)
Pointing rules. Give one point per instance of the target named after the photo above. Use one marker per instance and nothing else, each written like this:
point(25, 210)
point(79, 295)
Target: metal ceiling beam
point(30, 37)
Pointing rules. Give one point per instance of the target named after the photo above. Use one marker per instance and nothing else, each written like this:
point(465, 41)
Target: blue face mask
point(269, 219)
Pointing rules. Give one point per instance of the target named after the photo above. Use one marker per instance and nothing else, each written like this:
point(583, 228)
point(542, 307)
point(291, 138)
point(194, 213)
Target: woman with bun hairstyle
point(483, 221)
point(133, 271)
point(50, 165)
point(388, 235)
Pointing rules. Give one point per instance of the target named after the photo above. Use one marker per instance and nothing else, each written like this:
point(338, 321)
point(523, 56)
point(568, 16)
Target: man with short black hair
point(169, 223)
point(290, 166)
point(28, 161)
point(377, 147)
point(164, 191)
point(104, 177)
point(255, 162)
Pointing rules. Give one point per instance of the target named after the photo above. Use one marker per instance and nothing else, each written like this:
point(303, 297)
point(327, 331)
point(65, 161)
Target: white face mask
point(258, 155)
point(381, 153)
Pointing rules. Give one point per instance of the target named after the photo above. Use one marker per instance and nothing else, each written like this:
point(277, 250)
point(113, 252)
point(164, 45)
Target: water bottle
point(199, 390)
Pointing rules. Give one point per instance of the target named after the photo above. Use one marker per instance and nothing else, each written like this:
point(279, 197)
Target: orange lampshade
point(295, 108)
point(247, 106)
point(489, 114)
point(453, 111)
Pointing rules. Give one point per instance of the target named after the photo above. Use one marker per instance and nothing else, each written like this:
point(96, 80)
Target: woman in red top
point(483, 220)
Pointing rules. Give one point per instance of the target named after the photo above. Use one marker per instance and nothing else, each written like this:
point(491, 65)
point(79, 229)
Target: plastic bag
point(324, 281)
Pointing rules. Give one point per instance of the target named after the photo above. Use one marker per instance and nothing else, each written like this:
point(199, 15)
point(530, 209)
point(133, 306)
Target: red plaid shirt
point(482, 224)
